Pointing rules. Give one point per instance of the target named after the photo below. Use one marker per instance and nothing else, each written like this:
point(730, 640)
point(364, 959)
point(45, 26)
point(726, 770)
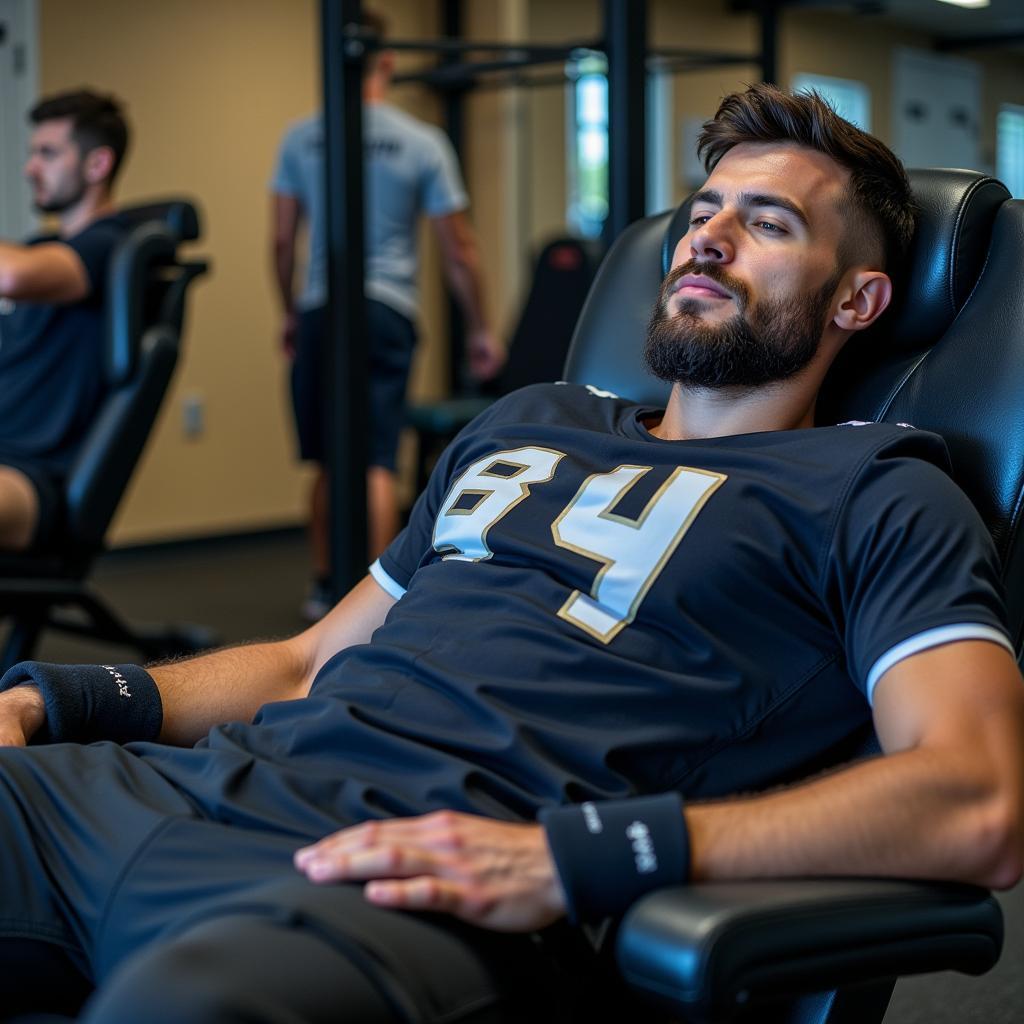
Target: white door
point(18, 87)
point(936, 110)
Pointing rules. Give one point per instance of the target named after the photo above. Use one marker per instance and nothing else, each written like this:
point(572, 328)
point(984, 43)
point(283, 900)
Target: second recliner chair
point(145, 309)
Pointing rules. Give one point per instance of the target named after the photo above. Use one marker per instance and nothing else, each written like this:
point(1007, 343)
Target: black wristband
point(92, 702)
point(608, 854)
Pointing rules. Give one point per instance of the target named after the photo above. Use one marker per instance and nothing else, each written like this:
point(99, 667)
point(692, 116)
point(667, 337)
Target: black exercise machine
point(562, 275)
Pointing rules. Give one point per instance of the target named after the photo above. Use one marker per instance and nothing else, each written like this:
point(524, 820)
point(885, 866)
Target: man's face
point(54, 167)
point(752, 282)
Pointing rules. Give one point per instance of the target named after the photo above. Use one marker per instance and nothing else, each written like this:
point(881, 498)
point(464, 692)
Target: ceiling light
point(967, 3)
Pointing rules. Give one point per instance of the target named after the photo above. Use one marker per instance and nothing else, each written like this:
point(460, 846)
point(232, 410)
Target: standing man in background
point(52, 290)
point(411, 169)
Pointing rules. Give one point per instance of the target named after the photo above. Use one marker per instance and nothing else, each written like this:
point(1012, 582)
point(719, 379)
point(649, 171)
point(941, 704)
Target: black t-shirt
point(51, 359)
point(586, 611)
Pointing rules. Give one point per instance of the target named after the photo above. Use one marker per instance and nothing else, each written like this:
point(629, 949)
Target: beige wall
point(211, 85)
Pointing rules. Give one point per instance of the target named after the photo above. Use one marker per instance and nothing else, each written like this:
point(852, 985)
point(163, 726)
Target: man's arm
point(232, 684)
point(285, 215)
point(460, 257)
point(48, 272)
point(945, 802)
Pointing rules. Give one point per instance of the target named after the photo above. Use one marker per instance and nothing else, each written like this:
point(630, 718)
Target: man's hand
point(490, 873)
point(22, 714)
point(289, 330)
point(486, 354)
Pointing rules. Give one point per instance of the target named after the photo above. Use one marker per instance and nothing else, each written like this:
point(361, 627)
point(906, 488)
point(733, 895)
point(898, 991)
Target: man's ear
point(867, 293)
point(98, 164)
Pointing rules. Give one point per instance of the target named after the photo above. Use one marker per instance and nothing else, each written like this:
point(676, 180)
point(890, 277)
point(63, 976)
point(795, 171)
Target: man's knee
point(19, 509)
point(237, 969)
point(177, 981)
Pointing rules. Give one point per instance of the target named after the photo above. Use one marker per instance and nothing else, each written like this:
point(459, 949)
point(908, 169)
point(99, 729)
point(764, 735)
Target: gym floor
point(251, 587)
point(243, 588)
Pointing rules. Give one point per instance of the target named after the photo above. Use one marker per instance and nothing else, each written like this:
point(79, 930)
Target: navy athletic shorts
point(109, 877)
point(49, 487)
point(392, 340)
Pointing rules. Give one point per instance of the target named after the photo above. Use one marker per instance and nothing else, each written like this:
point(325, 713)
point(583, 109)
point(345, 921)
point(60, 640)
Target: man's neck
point(374, 90)
point(705, 412)
point(77, 218)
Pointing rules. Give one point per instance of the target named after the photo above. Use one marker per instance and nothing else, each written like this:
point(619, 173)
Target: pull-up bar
point(345, 46)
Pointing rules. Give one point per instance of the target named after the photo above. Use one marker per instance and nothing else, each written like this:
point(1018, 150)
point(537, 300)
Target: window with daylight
point(849, 98)
point(1010, 148)
point(587, 138)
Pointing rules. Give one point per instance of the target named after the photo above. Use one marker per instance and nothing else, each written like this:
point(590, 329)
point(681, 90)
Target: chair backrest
point(562, 275)
point(144, 318)
point(947, 357)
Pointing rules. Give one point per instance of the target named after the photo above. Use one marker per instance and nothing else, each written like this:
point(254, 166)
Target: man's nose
point(711, 241)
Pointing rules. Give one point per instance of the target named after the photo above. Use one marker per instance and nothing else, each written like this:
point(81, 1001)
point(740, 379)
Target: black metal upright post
point(451, 28)
point(769, 13)
point(625, 41)
point(347, 413)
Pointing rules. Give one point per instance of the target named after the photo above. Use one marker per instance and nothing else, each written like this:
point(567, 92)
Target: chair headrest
point(956, 211)
point(953, 226)
point(180, 216)
point(147, 246)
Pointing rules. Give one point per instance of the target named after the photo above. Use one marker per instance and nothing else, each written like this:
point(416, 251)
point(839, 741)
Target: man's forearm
point(916, 814)
point(228, 685)
point(8, 255)
point(464, 279)
point(284, 274)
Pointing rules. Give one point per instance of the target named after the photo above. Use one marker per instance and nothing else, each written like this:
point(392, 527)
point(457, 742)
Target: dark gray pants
point(108, 879)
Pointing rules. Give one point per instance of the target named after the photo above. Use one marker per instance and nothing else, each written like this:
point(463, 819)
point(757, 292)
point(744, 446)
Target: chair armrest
point(704, 950)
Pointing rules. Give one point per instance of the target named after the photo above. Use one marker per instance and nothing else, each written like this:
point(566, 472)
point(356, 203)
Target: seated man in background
point(51, 309)
point(596, 611)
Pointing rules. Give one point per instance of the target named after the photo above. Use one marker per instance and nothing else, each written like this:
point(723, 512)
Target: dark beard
point(768, 342)
point(60, 203)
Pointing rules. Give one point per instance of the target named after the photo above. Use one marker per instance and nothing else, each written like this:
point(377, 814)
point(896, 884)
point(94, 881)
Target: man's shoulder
point(99, 235)
point(559, 403)
point(386, 116)
point(885, 463)
point(110, 224)
point(304, 132)
point(874, 442)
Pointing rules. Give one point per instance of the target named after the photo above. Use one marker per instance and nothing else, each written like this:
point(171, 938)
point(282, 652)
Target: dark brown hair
point(879, 190)
point(96, 120)
point(376, 24)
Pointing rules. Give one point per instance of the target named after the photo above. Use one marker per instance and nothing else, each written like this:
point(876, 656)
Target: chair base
point(71, 607)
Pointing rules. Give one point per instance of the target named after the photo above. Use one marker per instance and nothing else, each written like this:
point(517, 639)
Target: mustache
point(713, 272)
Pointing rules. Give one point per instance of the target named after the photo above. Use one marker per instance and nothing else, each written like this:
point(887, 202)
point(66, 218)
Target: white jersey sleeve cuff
point(932, 638)
point(386, 582)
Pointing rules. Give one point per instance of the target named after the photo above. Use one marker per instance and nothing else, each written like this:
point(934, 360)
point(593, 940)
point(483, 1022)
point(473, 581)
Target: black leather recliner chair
point(948, 357)
point(145, 312)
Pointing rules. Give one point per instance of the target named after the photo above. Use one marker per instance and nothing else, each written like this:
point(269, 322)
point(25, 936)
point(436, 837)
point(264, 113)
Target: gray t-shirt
point(410, 169)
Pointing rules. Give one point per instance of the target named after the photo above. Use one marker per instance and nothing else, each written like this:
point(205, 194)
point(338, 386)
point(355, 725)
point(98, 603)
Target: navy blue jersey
point(586, 611)
point(51, 359)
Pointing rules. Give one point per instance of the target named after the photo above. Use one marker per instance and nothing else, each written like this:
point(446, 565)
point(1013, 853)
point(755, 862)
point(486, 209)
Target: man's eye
point(771, 227)
point(699, 219)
